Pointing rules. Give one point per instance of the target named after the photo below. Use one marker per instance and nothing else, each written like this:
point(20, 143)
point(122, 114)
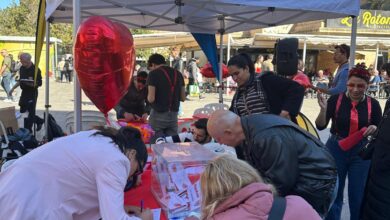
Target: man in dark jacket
point(293, 160)
point(29, 86)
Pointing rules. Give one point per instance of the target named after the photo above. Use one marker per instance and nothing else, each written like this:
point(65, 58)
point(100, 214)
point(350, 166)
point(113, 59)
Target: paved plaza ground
point(62, 101)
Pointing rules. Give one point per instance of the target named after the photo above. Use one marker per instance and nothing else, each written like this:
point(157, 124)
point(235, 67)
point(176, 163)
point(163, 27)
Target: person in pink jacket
point(232, 189)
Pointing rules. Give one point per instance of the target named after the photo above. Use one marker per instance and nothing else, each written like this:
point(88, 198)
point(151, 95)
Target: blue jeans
point(6, 83)
point(348, 163)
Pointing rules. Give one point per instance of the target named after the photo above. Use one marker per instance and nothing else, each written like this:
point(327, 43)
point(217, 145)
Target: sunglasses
point(359, 85)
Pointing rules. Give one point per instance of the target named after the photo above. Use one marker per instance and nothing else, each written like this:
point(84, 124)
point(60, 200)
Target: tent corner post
point(77, 88)
point(353, 42)
point(221, 31)
point(47, 106)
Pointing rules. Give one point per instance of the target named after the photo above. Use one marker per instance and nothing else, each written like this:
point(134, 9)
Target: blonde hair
point(223, 177)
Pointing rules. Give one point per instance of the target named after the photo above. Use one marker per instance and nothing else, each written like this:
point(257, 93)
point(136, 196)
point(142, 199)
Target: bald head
point(225, 127)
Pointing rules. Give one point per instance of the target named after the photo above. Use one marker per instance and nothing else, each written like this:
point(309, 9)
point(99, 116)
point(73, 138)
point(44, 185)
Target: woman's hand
point(285, 114)
point(322, 102)
point(145, 117)
point(129, 116)
point(146, 214)
point(132, 210)
point(370, 131)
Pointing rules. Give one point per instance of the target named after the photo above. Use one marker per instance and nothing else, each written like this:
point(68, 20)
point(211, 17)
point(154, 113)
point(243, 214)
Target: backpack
point(54, 130)
point(381, 138)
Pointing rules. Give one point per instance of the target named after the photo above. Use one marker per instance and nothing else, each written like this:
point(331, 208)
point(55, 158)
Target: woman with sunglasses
point(134, 105)
point(350, 112)
point(79, 177)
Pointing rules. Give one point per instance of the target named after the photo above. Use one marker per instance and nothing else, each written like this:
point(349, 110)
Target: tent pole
point(353, 42)
point(304, 54)
point(47, 106)
point(55, 59)
point(227, 60)
point(220, 68)
point(376, 56)
point(221, 32)
point(77, 89)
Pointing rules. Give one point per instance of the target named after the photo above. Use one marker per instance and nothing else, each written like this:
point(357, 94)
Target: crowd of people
point(264, 158)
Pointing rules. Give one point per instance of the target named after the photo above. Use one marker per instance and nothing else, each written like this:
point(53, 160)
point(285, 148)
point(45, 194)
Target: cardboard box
point(7, 116)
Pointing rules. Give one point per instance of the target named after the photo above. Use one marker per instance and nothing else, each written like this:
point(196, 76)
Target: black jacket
point(293, 160)
point(376, 204)
point(281, 93)
point(134, 102)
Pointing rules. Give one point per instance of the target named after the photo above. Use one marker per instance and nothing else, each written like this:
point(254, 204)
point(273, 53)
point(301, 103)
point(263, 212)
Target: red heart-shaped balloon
point(104, 61)
point(208, 72)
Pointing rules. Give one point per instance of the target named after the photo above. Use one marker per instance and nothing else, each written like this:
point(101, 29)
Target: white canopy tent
point(198, 16)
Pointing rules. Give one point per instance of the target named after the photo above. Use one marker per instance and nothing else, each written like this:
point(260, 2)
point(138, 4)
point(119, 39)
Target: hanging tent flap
point(40, 35)
point(209, 46)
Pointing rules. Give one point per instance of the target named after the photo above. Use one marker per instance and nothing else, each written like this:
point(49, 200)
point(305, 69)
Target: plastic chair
point(216, 106)
point(89, 119)
point(202, 113)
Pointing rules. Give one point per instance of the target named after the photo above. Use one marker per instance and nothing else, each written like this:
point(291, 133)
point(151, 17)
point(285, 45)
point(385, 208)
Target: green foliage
point(21, 19)
point(376, 4)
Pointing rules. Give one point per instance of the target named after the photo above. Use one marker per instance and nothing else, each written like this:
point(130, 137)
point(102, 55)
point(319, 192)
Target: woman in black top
point(349, 111)
point(267, 93)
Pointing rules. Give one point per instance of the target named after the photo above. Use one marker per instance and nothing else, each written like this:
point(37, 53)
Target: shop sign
point(368, 19)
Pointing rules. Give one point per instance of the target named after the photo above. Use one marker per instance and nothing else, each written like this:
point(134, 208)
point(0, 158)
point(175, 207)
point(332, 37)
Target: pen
point(142, 205)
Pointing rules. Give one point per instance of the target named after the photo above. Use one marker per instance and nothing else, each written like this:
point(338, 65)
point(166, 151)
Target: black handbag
point(381, 136)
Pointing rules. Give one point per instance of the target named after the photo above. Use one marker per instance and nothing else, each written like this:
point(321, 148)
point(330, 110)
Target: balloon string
point(107, 121)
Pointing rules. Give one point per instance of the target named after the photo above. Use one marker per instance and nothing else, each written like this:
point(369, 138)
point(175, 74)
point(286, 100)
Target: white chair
point(216, 106)
point(89, 119)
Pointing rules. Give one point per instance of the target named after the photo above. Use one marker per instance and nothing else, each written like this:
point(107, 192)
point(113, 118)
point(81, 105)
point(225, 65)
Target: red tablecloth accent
point(143, 192)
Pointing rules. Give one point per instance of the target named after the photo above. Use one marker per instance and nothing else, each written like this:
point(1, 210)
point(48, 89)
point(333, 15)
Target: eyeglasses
point(358, 85)
point(133, 178)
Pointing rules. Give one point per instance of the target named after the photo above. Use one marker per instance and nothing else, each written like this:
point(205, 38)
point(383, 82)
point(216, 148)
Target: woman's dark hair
point(126, 138)
point(343, 49)
point(361, 72)
point(242, 60)
point(202, 124)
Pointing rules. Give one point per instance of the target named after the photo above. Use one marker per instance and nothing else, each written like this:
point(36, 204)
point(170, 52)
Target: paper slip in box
point(7, 117)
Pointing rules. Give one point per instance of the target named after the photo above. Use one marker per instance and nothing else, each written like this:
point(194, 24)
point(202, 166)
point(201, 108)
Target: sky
point(5, 3)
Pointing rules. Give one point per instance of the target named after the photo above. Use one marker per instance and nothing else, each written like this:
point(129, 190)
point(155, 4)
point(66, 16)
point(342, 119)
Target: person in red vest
point(350, 112)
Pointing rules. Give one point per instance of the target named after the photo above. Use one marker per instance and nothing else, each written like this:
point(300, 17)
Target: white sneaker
point(7, 100)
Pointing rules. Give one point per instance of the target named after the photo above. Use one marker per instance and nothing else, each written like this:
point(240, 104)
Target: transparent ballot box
point(176, 170)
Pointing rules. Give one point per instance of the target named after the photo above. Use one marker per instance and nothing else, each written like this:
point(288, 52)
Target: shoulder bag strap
point(369, 107)
point(278, 208)
point(172, 85)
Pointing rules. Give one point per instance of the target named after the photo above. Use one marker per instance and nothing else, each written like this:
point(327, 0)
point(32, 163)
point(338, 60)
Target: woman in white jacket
point(81, 176)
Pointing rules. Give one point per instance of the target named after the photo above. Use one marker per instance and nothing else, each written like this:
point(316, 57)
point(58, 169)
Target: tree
point(21, 20)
